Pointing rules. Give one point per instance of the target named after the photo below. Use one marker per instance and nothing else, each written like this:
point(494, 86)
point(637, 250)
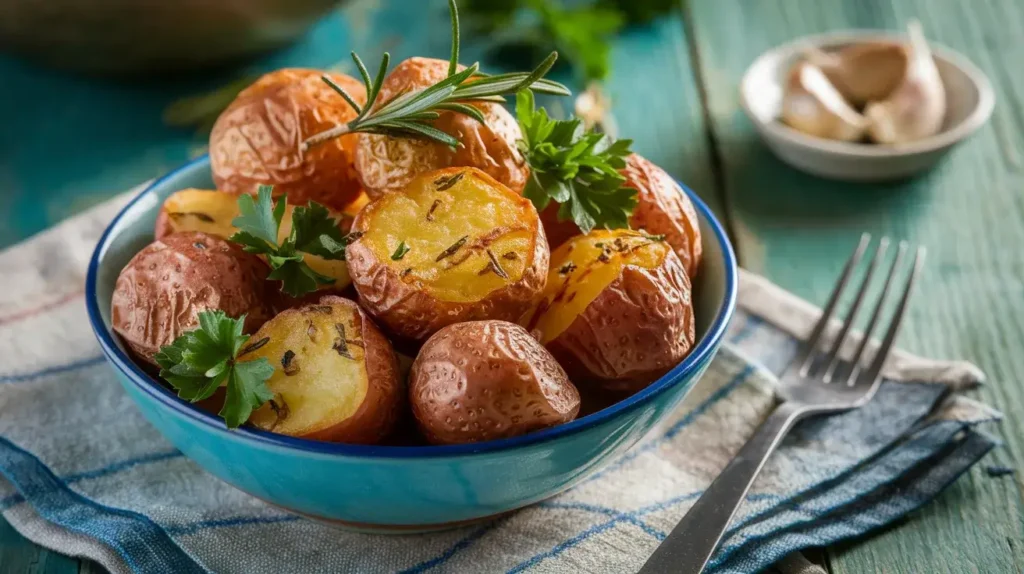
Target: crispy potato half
point(455, 245)
point(387, 164)
point(617, 310)
point(160, 293)
point(662, 209)
point(485, 380)
point(335, 376)
point(258, 138)
point(211, 212)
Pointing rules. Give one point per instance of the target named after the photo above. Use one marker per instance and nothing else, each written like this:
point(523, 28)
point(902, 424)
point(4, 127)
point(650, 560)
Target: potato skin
point(385, 398)
point(662, 209)
point(411, 313)
point(387, 164)
point(638, 328)
point(485, 380)
point(160, 293)
point(258, 139)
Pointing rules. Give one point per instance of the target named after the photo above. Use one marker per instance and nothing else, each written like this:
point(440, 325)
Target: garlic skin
point(916, 108)
point(864, 72)
point(811, 104)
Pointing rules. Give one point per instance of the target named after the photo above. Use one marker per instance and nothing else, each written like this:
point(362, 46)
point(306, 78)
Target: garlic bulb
point(814, 106)
point(863, 72)
point(916, 108)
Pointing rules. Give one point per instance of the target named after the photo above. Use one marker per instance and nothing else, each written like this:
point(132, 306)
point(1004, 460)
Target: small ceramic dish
point(399, 488)
point(969, 98)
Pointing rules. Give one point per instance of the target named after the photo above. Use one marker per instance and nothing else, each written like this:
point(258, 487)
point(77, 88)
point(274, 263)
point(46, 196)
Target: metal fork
point(810, 385)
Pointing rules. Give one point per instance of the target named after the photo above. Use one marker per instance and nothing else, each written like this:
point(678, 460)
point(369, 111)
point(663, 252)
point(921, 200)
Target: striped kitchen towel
point(82, 473)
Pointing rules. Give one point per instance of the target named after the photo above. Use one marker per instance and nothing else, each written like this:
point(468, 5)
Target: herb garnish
point(452, 249)
point(288, 363)
point(444, 183)
point(400, 251)
point(197, 214)
point(575, 168)
point(567, 268)
point(433, 206)
point(341, 343)
point(494, 266)
point(314, 231)
point(412, 114)
point(200, 361)
point(659, 237)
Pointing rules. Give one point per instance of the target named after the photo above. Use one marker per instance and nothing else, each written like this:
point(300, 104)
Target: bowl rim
point(702, 351)
point(974, 120)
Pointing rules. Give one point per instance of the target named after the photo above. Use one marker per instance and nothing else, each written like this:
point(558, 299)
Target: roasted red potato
point(335, 377)
point(387, 164)
point(662, 209)
point(617, 310)
point(258, 139)
point(160, 293)
point(454, 245)
point(485, 380)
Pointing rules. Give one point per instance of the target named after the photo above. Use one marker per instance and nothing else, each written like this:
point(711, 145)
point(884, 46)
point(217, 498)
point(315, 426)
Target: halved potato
point(258, 138)
point(485, 380)
point(455, 245)
point(161, 291)
point(335, 376)
point(662, 209)
point(212, 212)
point(617, 310)
point(387, 164)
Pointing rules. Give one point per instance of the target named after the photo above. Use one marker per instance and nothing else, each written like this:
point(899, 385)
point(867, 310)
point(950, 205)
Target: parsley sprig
point(314, 231)
point(575, 168)
point(200, 361)
point(412, 113)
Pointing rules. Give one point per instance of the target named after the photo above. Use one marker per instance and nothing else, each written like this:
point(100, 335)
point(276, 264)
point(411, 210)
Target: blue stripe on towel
point(56, 370)
point(143, 545)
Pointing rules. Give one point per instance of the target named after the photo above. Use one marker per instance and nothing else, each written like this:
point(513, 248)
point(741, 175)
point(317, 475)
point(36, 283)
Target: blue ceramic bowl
point(395, 488)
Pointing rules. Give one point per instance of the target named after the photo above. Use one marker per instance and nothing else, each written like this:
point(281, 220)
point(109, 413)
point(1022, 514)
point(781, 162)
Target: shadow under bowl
point(399, 488)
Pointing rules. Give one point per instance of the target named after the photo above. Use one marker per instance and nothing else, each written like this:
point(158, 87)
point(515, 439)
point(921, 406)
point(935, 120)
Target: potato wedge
point(455, 245)
point(485, 380)
point(387, 164)
point(662, 209)
point(258, 139)
point(160, 293)
point(212, 212)
point(617, 310)
point(335, 376)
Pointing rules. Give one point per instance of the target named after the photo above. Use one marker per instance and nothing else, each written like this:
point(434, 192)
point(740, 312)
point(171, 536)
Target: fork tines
point(825, 363)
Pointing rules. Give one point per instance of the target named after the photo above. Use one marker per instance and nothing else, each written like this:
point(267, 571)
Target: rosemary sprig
point(411, 114)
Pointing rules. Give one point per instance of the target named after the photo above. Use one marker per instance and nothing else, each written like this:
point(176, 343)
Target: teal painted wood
point(969, 212)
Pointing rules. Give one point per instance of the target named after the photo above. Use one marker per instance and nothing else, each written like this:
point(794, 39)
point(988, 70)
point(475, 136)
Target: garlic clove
point(814, 106)
point(917, 107)
point(863, 72)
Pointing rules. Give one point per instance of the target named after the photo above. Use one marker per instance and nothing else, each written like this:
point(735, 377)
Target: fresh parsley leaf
point(314, 231)
point(400, 251)
point(200, 361)
point(577, 169)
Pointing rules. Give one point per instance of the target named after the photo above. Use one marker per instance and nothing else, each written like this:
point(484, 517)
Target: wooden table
point(66, 143)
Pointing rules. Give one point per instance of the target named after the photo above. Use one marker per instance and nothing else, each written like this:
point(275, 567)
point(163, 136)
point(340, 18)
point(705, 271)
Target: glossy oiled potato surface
point(258, 139)
point(160, 293)
point(485, 380)
point(335, 375)
point(662, 209)
point(474, 250)
point(617, 309)
point(386, 164)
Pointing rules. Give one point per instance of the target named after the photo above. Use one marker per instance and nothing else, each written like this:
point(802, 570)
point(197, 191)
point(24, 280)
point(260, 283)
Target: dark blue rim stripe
point(56, 370)
point(681, 374)
point(144, 546)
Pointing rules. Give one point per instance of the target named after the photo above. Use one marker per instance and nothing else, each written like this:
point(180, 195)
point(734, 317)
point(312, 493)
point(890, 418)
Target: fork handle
point(691, 543)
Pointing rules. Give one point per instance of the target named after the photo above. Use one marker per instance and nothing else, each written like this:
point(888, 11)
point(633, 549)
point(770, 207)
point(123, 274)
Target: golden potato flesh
point(454, 245)
point(387, 164)
point(160, 293)
point(485, 380)
point(335, 375)
point(212, 212)
point(663, 208)
point(258, 139)
point(617, 310)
